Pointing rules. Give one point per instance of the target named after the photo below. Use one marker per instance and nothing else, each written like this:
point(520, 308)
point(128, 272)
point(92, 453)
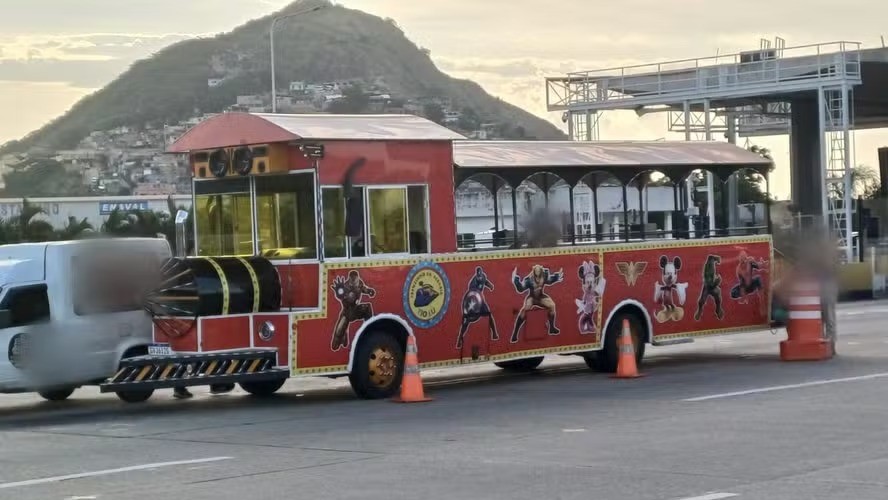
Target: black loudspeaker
point(243, 160)
point(883, 171)
point(219, 162)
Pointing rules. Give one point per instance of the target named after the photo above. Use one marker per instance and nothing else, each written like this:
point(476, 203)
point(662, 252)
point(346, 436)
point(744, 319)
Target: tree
point(865, 182)
point(434, 112)
point(75, 229)
point(354, 101)
point(26, 227)
point(468, 119)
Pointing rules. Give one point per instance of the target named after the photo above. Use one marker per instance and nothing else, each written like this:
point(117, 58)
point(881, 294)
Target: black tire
point(521, 365)
point(262, 388)
point(605, 360)
point(366, 382)
point(135, 396)
point(58, 394)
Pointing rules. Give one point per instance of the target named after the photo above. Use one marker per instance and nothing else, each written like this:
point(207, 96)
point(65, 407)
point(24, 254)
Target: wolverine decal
point(533, 284)
point(349, 291)
point(711, 288)
point(474, 306)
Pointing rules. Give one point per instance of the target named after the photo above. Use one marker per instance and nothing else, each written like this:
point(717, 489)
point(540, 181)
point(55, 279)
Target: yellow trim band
point(224, 281)
point(255, 281)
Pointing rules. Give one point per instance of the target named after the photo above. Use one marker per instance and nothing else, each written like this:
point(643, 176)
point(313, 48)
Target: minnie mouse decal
point(668, 289)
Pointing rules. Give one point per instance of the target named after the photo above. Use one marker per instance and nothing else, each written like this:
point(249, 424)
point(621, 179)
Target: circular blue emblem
point(426, 294)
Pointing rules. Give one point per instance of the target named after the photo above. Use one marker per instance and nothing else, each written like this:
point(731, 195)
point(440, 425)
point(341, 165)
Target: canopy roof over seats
point(514, 161)
point(240, 129)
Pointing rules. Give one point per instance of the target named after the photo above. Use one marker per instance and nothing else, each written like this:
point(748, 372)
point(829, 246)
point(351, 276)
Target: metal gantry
point(743, 94)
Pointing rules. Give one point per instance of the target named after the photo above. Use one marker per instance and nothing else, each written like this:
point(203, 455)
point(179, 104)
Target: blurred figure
point(542, 230)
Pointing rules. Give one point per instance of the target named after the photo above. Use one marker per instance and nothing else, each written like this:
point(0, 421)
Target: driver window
point(224, 217)
point(27, 305)
point(285, 214)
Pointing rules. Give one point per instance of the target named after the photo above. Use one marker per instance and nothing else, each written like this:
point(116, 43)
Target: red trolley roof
point(236, 129)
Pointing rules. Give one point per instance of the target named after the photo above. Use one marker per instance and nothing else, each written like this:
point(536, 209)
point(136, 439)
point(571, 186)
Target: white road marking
point(573, 430)
point(56, 479)
point(786, 387)
point(712, 496)
point(853, 343)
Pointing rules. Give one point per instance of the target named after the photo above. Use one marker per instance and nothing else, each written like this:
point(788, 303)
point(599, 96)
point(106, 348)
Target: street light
point(271, 36)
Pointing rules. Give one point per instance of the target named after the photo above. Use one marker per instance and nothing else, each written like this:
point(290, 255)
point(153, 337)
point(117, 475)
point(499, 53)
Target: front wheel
point(378, 366)
point(521, 365)
point(605, 360)
point(135, 396)
point(59, 394)
point(263, 388)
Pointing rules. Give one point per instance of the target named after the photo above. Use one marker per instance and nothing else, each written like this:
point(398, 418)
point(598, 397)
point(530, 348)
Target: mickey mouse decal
point(592, 283)
point(668, 289)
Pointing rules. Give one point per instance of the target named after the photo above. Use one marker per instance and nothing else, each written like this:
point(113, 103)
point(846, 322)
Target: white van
point(70, 311)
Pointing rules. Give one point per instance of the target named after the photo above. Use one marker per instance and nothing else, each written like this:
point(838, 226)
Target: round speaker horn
point(243, 160)
point(219, 162)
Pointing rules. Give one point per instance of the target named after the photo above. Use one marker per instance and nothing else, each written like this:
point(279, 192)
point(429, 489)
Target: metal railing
point(821, 63)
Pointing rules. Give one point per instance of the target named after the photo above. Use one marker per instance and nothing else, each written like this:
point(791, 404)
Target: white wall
point(94, 209)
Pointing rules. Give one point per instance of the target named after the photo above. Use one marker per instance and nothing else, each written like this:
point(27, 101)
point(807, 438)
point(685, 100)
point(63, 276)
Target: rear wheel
point(378, 366)
point(59, 394)
point(264, 388)
point(135, 396)
point(605, 360)
point(521, 365)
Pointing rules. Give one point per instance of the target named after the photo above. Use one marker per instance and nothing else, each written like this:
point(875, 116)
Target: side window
point(27, 305)
point(417, 210)
point(224, 217)
point(285, 211)
point(337, 242)
point(387, 210)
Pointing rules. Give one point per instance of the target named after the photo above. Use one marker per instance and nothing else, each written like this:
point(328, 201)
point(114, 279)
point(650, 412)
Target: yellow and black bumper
point(182, 370)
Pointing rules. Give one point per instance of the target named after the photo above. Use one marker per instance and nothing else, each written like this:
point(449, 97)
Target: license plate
point(159, 350)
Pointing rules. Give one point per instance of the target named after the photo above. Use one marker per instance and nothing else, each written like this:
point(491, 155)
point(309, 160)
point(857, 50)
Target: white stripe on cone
point(804, 314)
point(805, 301)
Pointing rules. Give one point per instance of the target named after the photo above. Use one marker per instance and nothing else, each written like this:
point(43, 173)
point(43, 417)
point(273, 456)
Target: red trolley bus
point(323, 241)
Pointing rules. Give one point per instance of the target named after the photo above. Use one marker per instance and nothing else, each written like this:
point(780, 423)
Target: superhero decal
point(631, 271)
point(749, 281)
point(592, 284)
point(668, 289)
point(349, 292)
point(711, 288)
point(534, 284)
point(474, 306)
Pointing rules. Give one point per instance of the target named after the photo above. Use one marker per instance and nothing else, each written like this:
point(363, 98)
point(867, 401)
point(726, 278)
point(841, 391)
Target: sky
point(54, 52)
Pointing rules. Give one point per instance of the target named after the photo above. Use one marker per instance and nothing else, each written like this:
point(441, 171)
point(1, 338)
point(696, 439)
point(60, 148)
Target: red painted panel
point(579, 289)
point(299, 285)
point(280, 338)
point(224, 332)
point(185, 343)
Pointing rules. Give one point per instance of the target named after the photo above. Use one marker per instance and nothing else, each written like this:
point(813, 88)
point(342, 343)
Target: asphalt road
point(721, 418)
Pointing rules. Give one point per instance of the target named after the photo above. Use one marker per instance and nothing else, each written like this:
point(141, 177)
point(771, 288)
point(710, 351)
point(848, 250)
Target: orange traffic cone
point(411, 383)
point(626, 366)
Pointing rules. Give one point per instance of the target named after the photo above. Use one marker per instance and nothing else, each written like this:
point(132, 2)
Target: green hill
point(329, 44)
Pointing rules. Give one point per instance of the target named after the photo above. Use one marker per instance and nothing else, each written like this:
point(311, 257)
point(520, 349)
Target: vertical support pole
point(710, 177)
point(846, 203)
point(515, 217)
point(588, 124)
point(254, 217)
point(570, 126)
point(319, 206)
point(734, 180)
point(768, 204)
point(495, 191)
point(821, 129)
point(641, 207)
point(573, 217)
point(625, 214)
point(595, 208)
point(689, 182)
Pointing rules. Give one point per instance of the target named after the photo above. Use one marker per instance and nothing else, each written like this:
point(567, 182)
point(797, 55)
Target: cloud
point(86, 46)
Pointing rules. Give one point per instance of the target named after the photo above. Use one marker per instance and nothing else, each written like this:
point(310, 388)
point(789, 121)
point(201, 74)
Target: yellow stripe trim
point(255, 282)
point(232, 367)
point(166, 371)
point(142, 374)
point(212, 367)
point(254, 365)
point(224, 281)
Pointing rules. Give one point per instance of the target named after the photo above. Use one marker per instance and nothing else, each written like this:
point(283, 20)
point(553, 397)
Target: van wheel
point(263, 388)
point(521, 365)
point(135, 396)
point(59, 394)
point(378, 366)
point(605, 360)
